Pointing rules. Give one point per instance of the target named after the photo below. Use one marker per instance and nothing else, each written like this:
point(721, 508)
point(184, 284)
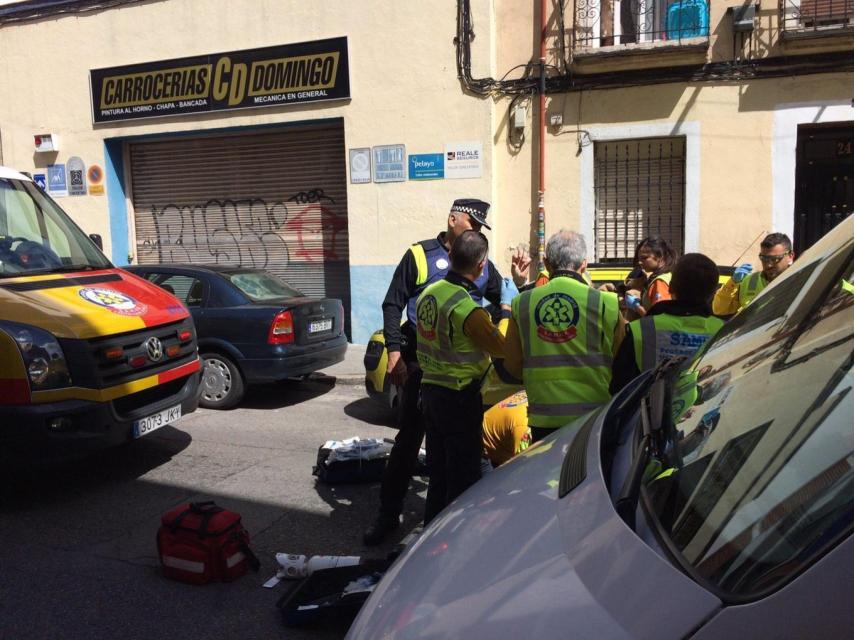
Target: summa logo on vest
point(428, 315)
point(441, 263)
point(556, 316)
point(113, 300)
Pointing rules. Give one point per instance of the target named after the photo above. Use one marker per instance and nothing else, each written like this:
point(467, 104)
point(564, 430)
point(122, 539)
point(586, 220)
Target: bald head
point(566, 251)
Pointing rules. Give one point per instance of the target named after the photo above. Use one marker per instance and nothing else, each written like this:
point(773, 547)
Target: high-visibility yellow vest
point(749, 288)
point(447, 356)
point(567, 333)
point(645, 300)
point(664, 336)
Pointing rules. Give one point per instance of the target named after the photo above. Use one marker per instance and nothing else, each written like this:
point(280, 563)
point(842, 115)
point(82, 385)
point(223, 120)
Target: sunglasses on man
point(772, 259)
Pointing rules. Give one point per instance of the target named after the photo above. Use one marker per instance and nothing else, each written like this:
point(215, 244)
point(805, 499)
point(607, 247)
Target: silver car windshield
point(36, 236)
point(761, 480)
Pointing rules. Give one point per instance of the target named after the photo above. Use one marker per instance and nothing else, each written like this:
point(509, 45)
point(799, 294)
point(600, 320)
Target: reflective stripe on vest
point(447, 356)
point(567, 331)
point(663, 336)
point(645, 299)
point(431, 265)
point(750, 288)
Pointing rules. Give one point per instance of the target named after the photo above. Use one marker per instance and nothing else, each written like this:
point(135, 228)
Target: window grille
point(803, 16)
point(640, 192)
point(604, 23)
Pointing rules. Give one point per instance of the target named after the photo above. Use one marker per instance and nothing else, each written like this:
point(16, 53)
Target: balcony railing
point(605, 23)
point(803, 17)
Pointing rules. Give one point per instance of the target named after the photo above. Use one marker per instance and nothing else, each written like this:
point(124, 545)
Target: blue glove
point(741, 273)
point(632, 302)
point(508, 291)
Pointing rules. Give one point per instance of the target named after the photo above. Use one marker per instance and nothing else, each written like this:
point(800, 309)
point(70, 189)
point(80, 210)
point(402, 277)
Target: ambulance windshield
point(37, 237)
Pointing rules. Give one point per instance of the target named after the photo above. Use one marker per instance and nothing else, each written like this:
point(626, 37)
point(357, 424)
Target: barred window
point(640, 191)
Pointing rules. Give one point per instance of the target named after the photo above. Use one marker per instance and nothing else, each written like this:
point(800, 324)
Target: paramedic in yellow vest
point(424, 263)
point(561, 339)
point(505, 429)
point(675, 327)
point(455, 340)
point(775, 255)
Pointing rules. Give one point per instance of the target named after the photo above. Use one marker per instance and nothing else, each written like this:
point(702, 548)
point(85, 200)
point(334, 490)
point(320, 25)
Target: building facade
point(318, 140)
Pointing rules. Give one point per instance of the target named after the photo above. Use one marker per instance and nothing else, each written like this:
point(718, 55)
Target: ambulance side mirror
point(96, 238)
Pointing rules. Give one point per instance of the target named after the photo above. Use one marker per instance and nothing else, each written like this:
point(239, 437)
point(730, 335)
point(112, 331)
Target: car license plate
point(316, 326)
point(147, 425)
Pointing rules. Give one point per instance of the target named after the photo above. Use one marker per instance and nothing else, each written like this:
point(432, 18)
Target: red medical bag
point(200, 542)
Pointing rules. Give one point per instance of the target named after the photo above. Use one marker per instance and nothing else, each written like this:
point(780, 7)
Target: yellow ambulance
point(90, 355)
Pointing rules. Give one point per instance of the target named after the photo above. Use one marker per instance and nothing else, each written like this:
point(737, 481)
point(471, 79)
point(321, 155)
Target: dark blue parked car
point(252, 326)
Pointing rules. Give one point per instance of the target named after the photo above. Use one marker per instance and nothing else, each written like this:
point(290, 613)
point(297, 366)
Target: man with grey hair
point(562, 337)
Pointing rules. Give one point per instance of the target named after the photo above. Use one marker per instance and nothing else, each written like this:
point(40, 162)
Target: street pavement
point(78, 556)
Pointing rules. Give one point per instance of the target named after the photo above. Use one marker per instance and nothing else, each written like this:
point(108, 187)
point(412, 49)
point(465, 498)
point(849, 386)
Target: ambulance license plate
point(147, 425)
point(317, 326)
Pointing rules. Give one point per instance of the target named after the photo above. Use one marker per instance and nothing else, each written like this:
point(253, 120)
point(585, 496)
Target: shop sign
point(41, 180)
point(76, 177)
point(390, 163)
point(57, 184)
point(95, 177)
point(360, 165)
point(426, 166)
point(268, 77)
point(463, 160)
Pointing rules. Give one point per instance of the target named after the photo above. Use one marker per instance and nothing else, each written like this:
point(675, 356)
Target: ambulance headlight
point(43, 357)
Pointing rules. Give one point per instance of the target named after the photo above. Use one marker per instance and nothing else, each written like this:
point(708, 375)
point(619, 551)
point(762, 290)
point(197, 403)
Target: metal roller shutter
point(274, 200)
point(640, 191)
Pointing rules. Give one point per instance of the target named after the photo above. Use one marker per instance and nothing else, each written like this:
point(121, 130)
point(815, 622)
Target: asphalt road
point(78, 556)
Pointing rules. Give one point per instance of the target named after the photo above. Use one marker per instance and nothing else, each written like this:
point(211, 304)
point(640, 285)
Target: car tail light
point(343, 317)
point(282, 329)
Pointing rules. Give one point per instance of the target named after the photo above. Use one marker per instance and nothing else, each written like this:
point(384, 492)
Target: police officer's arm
point(401, 289)
point(485, 335)
point(726, 299)
point(625, 368)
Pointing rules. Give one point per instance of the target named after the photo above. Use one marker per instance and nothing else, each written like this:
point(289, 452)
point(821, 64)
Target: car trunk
point(314, 320)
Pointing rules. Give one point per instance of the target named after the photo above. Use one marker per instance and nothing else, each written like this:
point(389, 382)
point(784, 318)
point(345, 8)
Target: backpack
point(200, 542)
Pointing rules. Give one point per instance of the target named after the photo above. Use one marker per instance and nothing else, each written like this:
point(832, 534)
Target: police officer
point(775, 254)
point(676, 327)
point(424, 263)
point(455, 339)
point(562, 337)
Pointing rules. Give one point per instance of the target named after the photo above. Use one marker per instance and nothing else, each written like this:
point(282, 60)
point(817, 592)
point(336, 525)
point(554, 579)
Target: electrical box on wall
point(46, 142)
point(520, 116)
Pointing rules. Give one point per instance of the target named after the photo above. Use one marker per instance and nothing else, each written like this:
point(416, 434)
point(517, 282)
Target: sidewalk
point(352, 369)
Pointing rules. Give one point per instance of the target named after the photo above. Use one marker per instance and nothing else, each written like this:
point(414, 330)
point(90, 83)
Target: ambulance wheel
point(222, 383)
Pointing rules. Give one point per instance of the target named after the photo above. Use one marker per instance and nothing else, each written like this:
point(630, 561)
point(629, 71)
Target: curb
point(342, 379)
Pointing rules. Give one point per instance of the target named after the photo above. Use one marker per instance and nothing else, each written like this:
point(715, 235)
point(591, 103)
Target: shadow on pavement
point(285, 394)
point(372, 412)
point(28, 480)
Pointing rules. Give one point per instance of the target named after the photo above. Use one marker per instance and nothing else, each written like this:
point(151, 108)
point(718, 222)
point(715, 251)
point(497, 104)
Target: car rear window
point(260, 286)
point(762, 482)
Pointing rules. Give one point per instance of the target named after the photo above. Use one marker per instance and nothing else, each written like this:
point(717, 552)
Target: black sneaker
point(381, 527)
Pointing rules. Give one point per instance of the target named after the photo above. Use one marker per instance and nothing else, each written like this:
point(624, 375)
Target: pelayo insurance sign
point(287, 74)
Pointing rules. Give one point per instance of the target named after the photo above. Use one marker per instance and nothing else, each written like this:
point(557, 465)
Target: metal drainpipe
point(541, 202)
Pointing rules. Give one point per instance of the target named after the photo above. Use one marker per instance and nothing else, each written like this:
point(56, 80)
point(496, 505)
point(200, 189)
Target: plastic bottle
point(297, 566)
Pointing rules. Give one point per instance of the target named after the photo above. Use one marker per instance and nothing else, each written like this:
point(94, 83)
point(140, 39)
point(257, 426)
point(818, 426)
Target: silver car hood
point(508, 559)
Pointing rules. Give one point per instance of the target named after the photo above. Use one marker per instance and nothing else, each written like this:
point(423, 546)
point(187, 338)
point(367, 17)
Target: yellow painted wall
point(402, 76)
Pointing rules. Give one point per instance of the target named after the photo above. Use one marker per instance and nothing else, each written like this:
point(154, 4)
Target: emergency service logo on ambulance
point(115, 301)
point(556, 316)
point(428, 315)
